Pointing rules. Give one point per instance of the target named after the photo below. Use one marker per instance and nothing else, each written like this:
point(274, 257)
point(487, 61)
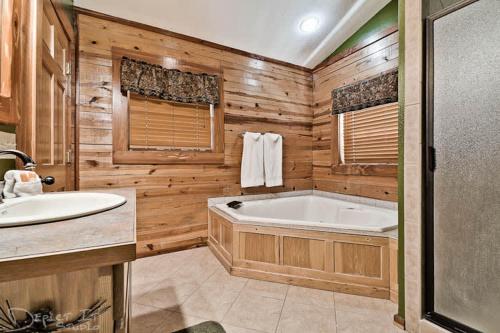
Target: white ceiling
point(266, 27)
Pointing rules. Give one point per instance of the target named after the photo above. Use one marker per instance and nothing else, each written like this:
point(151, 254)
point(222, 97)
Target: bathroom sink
point(53, 207)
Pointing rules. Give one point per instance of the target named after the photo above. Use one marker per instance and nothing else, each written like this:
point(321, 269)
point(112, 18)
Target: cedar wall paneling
point(371, 60)
point(172, 199)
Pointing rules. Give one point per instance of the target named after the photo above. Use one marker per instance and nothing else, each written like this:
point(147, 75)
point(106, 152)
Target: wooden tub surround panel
point(221, 235)
point(303, 253)
point(358, 259)
point(354, 264)
point(393, 253)
point(258, 247)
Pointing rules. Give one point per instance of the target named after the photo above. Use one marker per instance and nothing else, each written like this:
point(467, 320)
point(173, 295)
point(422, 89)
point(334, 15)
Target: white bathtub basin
point(311, 210)
point(52, 207)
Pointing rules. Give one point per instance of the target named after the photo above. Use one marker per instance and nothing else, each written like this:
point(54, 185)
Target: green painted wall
point(385, 18)
point(7, 164)
point(7, 128)
point(68, 8)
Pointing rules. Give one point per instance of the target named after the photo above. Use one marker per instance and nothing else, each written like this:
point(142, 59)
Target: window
point(161, 125)
point(150, 130)
point(365, 142)
point(369, 136)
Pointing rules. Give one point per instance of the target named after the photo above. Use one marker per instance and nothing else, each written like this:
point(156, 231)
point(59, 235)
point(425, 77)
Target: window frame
point(359, 169)
point(120, 120)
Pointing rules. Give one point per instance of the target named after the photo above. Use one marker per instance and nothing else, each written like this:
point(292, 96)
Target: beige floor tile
point(169, 294)
point(316, 297)
point(199, 250)
point(222, 277)
point(212, 301)
point(151, 269)
point(147, 272)
point(359, 322)
point(176, 321)
point(198, 269)
point(300, 318)
point(182, 289)
point(234, 329)
point(361, 304)
point(198, 273)
point(205, 257)
point(145, 319)
point(254, 312)
point(141, 288)
point(266, 289)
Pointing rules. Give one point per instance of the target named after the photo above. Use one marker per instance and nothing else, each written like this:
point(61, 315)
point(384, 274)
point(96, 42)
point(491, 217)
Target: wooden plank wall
point(172, 199)
point(368, 61)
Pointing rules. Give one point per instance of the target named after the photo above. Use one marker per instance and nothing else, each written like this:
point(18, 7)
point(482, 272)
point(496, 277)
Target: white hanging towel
point(252, 161)
point(273, 159)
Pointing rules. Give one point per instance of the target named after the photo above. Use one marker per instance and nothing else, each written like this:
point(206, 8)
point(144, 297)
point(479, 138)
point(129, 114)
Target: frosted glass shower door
point(463, 176)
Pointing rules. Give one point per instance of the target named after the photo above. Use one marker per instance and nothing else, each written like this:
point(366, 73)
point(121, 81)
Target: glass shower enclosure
point(462, 167)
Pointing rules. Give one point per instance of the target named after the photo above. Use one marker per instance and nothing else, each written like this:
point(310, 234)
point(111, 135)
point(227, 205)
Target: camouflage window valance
point(380, 89)
point(168, 84)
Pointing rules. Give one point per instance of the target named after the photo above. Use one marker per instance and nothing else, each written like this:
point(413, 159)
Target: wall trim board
point(366, 42)
point(76, 157)
point(89, 12)
point(400, 316)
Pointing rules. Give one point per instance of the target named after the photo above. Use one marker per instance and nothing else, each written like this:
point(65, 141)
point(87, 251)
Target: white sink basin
point(53, 207)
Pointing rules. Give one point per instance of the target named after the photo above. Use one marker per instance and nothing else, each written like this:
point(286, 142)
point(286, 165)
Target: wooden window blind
point(369, 136)
point(160, 125)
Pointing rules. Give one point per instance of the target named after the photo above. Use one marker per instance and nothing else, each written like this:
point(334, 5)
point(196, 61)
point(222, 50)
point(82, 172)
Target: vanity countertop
point(109, 229)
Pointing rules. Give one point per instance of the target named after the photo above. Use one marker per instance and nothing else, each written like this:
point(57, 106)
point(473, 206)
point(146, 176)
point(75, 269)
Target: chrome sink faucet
point(28, 162)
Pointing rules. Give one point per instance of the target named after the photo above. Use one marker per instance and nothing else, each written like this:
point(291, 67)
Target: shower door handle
point(431, 158)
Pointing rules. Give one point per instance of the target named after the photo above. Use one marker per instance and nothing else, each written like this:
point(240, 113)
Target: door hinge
point(431, 158)
point(68, 69)
point(69, 156)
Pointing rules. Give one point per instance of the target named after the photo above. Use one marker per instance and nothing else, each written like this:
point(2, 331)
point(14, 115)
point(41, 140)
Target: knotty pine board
point(172, 199)
point(369, 61)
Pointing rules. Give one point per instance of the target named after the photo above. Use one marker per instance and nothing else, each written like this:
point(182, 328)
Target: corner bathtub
point(311, 240)
point(314, 212)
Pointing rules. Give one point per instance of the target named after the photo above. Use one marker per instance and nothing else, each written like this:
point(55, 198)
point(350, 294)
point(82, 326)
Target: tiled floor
point(181, 289)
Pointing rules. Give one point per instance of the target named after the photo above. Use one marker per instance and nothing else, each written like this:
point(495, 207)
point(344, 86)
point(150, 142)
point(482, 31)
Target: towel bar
point(242, 134)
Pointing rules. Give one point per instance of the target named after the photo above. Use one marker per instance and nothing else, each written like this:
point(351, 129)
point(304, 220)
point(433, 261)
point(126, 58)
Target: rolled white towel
point(20, 183)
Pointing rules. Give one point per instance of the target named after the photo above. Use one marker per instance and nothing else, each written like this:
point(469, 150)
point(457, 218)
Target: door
point(53, 130)
point(9, 33)
point(462, 231)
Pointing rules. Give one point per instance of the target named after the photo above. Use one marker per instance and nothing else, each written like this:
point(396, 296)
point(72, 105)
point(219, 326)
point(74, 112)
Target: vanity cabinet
point(67, 294)
point(70, 265)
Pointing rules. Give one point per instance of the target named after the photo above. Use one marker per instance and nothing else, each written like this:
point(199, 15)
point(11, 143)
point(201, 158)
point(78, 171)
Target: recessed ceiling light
point(309, 24)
